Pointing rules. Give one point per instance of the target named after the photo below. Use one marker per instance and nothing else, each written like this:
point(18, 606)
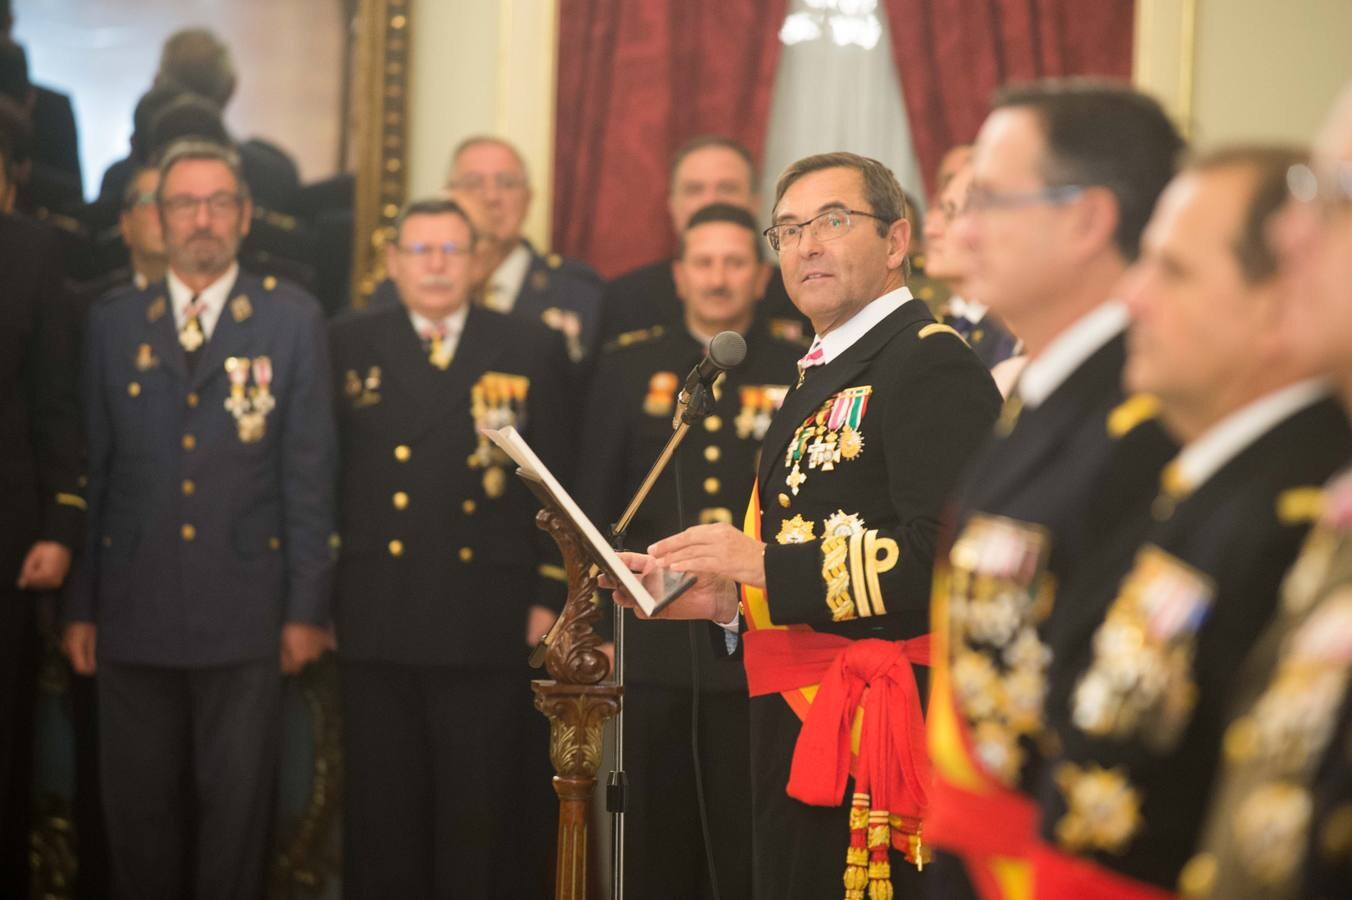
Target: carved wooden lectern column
point(576, 702)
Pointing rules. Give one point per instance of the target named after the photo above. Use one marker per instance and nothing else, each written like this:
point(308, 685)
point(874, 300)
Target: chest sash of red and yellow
point(860, 708)
point(991, 827)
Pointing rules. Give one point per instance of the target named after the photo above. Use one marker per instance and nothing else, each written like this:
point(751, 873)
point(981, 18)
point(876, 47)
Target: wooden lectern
point(576, 699)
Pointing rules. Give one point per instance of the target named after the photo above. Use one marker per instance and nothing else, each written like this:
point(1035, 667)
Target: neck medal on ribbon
point(828, 436)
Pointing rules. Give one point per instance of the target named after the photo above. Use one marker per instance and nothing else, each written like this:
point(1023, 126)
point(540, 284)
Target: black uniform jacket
point(206, 531)
point(1140, 733)
point(628, 422)
point(1056, 481)
point(927, 403)
point(41, 450)
point(440, 554)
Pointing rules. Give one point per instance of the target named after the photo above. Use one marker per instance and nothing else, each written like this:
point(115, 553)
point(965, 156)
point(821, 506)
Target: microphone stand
point(691, 408)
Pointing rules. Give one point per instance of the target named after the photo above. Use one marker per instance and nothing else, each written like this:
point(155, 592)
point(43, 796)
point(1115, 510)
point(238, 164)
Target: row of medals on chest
point(249, 404)
point(497, 400)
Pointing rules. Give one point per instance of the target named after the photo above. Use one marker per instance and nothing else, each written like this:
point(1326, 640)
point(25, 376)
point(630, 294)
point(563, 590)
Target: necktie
point(814, 357)
point(435, 344)
point(191, 337)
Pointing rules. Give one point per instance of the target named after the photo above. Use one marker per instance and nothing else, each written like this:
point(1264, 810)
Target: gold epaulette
point(1131, 412)
point(637, 336)
point(1300, 505)
point(940, 328)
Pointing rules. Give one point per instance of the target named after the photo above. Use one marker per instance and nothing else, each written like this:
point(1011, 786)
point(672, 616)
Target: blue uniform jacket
point(205, 538)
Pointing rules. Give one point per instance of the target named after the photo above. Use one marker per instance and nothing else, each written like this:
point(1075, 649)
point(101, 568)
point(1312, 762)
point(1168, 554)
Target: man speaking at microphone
point(829, 580)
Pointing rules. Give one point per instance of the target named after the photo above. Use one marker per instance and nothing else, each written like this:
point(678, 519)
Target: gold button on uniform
point(713, 423)
point(274, 543)
point(193, 400)
point(466, 554)
point(396, 548)
point(134, 389)
point(188, 532)
point(784, 500)
point(402, 453)
point(712, 453)
point(400, 500)
point(711, 485)
point(469, 506)
point(189, 442)
point(188, 487)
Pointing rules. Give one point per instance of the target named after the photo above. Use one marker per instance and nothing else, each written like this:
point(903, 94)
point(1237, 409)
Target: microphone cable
point(692, 629)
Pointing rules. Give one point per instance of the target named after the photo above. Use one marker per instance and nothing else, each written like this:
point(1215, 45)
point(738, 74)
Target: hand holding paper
point(710, 597)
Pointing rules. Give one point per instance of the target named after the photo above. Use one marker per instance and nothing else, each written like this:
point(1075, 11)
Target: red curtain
point(952, 54)
point(635, 81)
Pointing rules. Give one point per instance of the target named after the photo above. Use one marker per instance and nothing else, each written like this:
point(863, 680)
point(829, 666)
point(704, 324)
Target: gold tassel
point(856, 857)
point(879, 870)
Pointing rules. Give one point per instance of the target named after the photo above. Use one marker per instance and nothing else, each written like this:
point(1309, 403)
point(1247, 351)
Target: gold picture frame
point(380, 134)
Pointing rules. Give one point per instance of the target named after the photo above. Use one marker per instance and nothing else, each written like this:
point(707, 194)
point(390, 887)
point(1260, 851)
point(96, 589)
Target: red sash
point(1058, 876)
point(861, 714)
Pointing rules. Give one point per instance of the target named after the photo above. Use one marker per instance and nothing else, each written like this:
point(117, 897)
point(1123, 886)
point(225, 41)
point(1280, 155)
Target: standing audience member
point(563, 293)
point(444, 580)
point(1149, 690)
point(947, 257)
point(1053, 218)
point(208, 566)
point(41, 476)
point(706, 169)
point(1277, 825)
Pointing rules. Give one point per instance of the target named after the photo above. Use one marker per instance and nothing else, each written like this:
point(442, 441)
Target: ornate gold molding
point(380, 123)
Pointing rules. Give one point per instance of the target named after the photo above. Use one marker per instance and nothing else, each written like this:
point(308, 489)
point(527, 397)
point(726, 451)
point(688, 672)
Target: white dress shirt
point(1222, 442)
point(212, 297)
point(454, 323)
point(1068, 351)
point(504, 284)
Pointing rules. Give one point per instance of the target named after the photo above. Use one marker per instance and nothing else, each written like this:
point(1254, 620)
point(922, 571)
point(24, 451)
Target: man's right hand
point(710, 597)
point(78, 641)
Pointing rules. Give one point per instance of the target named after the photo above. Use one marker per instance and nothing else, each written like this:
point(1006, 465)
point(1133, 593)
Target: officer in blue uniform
point(208, 572)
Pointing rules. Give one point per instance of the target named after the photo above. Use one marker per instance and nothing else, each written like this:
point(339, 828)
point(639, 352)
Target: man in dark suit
point(1073, 456)
point(443, 577)
point(855, 467)
point(42, 518)
point(212, 458)
point(706, 169)
point(1139, 734)
point(563, 293)
point(720, 274)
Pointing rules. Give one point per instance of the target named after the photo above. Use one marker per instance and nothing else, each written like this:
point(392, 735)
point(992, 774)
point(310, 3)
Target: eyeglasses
point(426, 251)
point(218, 205)
point(1327, 189)
point(477, 184)
point(826, 226)
point(981, 199)
point(139, 199)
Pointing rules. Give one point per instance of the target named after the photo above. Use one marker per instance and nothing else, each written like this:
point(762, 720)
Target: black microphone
point(726, 351)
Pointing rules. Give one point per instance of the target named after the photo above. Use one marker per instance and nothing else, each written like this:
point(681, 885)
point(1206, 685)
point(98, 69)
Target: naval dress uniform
point(854, 472)
point(1280, 822)
point(1072, 459)
point(440, 562)
point(41, 469)
point(646, 296)
point(212, 455)
point(1139, 734)
point(626, 425)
